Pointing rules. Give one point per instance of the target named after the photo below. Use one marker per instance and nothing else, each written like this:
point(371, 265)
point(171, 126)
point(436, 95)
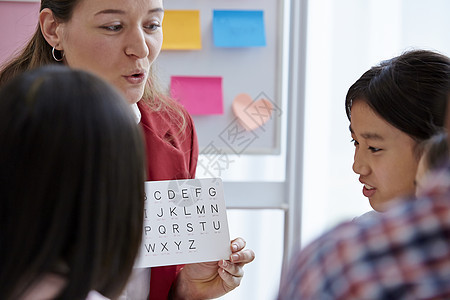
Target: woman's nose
point(137, 44)
point(360, 165)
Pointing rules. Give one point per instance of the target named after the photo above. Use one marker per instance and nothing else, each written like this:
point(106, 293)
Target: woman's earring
point(55, 58)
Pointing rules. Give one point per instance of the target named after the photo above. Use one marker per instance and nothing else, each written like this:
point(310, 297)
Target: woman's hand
point(213, 279)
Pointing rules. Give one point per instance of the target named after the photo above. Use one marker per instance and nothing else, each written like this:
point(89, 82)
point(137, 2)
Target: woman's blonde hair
point(159, 100)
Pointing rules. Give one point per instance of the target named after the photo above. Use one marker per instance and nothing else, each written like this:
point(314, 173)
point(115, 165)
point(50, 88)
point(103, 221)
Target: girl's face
point(384, 157)
point(117, 40)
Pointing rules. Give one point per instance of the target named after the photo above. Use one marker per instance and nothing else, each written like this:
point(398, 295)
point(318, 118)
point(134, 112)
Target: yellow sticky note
point(181, 29)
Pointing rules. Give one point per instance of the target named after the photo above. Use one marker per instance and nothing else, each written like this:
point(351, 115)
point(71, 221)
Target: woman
point(392, 108)
point(68, 227)
point(119, 40)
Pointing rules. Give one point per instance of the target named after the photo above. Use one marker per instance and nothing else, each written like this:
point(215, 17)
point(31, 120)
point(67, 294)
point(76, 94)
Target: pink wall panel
point(18, 22)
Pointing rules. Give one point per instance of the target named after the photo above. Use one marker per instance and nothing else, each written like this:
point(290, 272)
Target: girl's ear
point(49, 28)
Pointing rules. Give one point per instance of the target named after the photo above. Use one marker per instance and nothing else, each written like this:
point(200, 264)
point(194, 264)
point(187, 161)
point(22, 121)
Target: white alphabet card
point(185, 222)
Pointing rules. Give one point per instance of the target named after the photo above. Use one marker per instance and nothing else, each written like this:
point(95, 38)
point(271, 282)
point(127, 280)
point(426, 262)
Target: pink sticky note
point(199, 95)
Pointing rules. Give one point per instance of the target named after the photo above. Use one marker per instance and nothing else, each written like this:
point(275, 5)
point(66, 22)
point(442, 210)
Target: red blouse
point(171, 154)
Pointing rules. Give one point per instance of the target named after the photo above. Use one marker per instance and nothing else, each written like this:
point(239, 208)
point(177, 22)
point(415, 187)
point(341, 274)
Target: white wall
point(345, 38)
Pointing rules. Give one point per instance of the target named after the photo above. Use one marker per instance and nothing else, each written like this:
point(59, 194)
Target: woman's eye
point(355, 142)
point(112, 27)
point(373, 149)
point(153, 27)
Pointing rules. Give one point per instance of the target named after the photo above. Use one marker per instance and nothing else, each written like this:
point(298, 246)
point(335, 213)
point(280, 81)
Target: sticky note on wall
point(199, 95)
point(181, 29)
point(239, 28)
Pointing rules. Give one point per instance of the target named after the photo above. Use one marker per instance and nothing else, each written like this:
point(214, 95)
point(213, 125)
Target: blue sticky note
point(239, 28)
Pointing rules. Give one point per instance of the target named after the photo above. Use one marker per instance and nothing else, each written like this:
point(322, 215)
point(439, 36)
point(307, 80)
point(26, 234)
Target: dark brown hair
point(71, 183)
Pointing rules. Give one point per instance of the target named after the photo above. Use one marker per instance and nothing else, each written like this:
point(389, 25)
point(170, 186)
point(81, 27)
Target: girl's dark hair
point(71, 183)
point(409, 91)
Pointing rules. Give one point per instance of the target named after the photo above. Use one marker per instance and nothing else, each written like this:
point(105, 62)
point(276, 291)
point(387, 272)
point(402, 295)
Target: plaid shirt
point(400, 254)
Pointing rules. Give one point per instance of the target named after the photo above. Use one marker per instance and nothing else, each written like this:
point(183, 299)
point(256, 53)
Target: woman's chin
point(133, 96)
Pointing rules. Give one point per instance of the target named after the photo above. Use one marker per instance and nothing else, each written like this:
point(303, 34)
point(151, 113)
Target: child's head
point(435, 152)
point(393, 107)
point(71, 182)
point(408, 91)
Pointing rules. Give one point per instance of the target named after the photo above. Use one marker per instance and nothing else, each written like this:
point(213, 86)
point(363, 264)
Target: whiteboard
point(254, 71)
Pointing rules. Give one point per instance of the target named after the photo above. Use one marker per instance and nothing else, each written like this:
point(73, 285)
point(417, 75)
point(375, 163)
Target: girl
point(392, 108)
point(71, 215)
